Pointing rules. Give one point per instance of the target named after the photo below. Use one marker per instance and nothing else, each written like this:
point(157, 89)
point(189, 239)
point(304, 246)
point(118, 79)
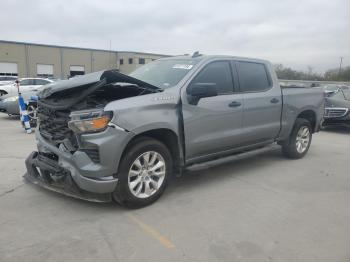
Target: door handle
point(234, 104)
point(274, 100)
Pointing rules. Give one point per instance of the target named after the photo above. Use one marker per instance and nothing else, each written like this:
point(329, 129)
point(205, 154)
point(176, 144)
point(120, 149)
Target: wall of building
point(14, 53)
point(42, 55)
point(75, 57)
point(60, 58)
point(104, 60)
point(123, 60)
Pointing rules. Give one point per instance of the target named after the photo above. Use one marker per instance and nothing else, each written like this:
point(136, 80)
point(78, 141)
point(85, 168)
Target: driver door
point(214, 124)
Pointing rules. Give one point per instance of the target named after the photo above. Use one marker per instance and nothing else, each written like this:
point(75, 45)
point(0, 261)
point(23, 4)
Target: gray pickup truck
point(107, 135)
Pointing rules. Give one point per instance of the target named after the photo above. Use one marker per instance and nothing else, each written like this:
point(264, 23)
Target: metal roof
point(80, 48)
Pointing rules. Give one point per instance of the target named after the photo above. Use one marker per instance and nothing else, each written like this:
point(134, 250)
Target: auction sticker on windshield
point(182, 66)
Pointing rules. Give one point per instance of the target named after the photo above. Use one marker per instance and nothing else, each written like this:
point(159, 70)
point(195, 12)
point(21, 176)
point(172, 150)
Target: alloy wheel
point(146, 174)
point(302, 139)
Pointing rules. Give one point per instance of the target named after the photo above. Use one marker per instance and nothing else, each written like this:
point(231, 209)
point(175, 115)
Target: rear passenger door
point(214, 124)
point(262, 102)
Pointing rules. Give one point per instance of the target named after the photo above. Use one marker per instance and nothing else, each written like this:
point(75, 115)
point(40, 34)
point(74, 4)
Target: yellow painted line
point(152, 232)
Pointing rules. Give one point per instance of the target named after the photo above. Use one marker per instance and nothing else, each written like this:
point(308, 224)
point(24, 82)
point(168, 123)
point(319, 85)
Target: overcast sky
point(294, 33)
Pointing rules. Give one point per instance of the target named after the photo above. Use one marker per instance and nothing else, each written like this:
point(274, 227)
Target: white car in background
point(6, 80)
point(25, 84)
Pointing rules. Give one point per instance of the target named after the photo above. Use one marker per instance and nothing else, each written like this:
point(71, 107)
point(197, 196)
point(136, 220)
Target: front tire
point(143, 173)
point(299, 141)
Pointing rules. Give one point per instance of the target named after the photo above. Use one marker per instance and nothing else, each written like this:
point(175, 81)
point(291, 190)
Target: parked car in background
point(337, 108)
point(6, 80)
point(332, 88)
point(106, 135)
point(26, 84)
point(292, 84)
point(9, 105)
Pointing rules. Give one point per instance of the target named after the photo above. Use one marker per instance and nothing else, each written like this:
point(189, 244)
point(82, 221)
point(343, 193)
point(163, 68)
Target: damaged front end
point(77, 147)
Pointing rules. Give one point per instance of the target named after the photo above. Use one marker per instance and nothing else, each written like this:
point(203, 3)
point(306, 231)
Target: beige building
point(38, 60)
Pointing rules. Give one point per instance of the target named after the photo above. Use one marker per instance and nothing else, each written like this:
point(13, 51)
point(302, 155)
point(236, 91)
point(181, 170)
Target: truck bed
point(297, 99)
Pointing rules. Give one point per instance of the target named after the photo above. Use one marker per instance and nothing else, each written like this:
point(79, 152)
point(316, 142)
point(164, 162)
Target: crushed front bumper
point(45, 172)
point(75, 173)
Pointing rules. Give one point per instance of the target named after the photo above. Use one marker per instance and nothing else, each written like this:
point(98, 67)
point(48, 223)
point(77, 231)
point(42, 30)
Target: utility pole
point(340, 64)
point(110, 54)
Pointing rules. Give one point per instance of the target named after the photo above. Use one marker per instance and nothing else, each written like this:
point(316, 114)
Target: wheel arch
point(309, 115)
point(3, 91)
point(169, 138)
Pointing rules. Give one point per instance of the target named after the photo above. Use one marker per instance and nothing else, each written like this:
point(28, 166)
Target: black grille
point(54, 124)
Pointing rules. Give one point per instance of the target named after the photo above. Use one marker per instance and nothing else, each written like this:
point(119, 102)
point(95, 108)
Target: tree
point(290, 74)
point(333, 74)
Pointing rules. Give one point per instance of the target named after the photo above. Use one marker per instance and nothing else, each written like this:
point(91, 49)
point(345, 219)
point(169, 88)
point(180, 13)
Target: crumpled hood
point(109, 76)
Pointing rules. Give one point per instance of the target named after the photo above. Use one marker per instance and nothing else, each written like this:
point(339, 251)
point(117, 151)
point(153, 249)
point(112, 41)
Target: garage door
point(44, 70)
point(8, 69)
point(77, 70)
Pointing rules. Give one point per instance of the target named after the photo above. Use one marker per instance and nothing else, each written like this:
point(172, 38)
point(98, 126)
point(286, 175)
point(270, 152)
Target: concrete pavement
point(265, 208)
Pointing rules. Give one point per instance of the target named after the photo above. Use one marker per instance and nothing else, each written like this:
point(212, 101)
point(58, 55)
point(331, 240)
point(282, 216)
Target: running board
point(234, 157)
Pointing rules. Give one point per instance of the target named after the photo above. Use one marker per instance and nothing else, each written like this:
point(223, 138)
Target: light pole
point(340, 64)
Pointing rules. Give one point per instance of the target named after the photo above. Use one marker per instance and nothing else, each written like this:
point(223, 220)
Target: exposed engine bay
point(58, 101)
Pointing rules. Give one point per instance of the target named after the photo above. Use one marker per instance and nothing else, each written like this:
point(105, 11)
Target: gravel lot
point(265, 208)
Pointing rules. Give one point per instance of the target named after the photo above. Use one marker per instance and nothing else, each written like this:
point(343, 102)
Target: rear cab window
point(253, 77)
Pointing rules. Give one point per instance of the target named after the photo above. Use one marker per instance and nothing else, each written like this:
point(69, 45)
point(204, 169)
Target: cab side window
point(218, 73)
point(26, 82)
point(253, 77)
point(41, 82)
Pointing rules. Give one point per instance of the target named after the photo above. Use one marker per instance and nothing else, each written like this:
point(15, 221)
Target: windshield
point(341, 94)
point(331, 88)
point(347, 94)
point(164, 73)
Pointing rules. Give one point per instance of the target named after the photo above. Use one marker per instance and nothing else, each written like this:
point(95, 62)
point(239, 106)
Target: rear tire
point(143, 173)
point(299, 141)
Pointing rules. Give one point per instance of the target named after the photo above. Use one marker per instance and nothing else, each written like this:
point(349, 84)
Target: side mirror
point(201, 90)
point(196, 91)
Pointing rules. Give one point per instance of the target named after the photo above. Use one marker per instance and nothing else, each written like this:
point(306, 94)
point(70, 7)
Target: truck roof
point(210, 57)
